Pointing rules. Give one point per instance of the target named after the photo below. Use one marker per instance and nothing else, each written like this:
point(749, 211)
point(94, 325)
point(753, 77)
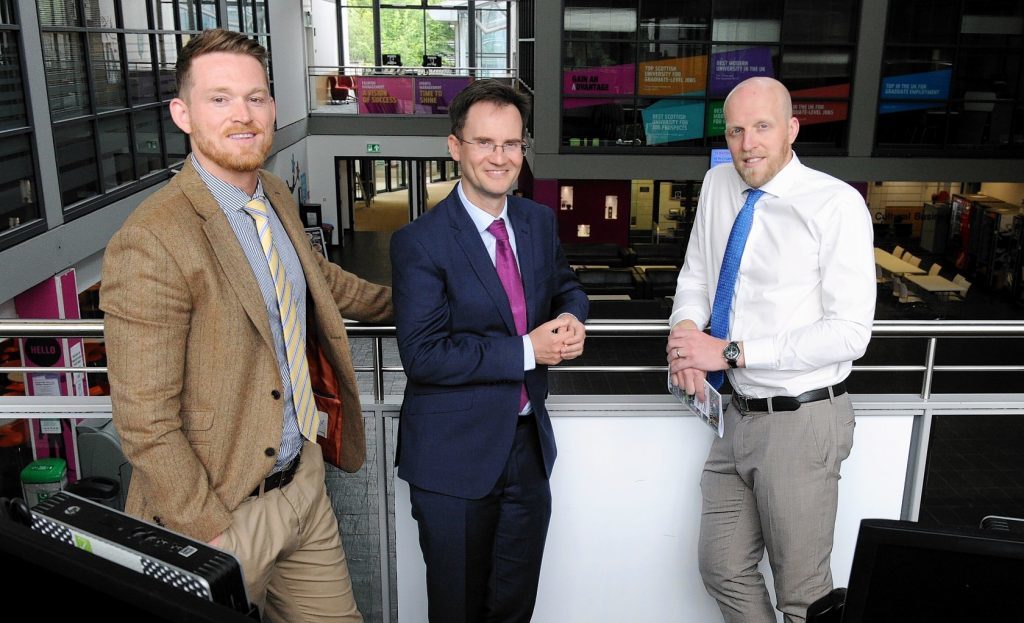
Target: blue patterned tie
point(727, 276)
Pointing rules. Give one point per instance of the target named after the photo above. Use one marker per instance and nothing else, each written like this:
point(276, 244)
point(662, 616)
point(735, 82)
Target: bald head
point(759, 129)
point(764, 88)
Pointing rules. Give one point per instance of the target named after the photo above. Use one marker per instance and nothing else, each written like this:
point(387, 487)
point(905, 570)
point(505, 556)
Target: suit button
point(270, 452)
point(275, 394)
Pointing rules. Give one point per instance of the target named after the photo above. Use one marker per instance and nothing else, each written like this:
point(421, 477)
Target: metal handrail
point(933, 330)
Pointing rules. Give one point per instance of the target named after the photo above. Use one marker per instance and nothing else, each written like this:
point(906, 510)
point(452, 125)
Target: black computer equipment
point(903, 571)
point(55, 581)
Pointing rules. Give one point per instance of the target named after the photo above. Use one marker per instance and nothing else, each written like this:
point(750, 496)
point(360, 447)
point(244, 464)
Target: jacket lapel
point(468, 239)
point(524, 253)
point(226, 249)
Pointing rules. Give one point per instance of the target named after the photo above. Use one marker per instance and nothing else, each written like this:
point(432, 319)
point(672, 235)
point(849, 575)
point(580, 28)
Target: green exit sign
point(373, 148)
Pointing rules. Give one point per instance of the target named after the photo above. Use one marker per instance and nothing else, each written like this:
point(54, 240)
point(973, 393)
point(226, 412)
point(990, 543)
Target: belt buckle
point(741, 403)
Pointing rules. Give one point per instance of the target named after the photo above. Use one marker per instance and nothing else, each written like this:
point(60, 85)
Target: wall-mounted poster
point(669, 121)
point(733, 67)
point(384, 95)
point(928, 85)
point(434, 94)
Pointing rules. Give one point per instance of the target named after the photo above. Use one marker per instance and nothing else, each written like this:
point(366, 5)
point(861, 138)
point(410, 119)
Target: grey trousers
point(772, 483)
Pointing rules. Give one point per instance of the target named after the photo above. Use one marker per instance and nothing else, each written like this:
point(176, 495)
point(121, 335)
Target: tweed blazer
point(195, 384)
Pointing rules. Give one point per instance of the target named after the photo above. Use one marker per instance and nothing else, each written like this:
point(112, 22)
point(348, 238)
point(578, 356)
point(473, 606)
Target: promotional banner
point(434, 94)
point(674, 76)
point(384, 95)
point(669, 121)
point(928, 85)
point(731, 68)
point(615, 80)
point(811, 113)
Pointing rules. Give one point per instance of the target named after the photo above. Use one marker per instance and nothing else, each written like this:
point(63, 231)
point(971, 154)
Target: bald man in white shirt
point(798, 315)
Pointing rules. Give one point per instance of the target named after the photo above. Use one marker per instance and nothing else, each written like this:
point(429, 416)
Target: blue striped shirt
point(232, 201)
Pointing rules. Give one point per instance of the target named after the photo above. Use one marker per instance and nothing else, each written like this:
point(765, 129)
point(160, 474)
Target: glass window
point(187, 19)
point(136, 14)
point(804, 68)
point(357, 28)
point(819, 21)
point(115, 152)
point(148, 143)
point(100, 14)
point(923, 21)
point(986, 70)
point(108, 82)
point(7, 15)
point(234, 18)
point(75, 149)
point(209, 14)
point(64, 61)
point(17, 183)
point(670, 20)
point(12, 89)
point(492, 40)
point(741, 20)
point(442, 36)
point(141, 75)
point(163, 15)
point(600, 19)
point(174, 138)
point(59, 13)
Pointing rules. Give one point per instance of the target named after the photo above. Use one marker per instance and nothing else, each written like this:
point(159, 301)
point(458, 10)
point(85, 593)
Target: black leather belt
point(278, 479)
point(785, 403)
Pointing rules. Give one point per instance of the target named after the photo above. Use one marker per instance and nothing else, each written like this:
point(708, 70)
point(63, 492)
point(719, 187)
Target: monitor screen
point(905, 572)
point(720, 156)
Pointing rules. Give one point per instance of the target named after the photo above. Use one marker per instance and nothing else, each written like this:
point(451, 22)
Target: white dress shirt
point(805, 294)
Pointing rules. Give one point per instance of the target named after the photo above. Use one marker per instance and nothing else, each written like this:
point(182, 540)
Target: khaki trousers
point(772, 483)
point(291, 554)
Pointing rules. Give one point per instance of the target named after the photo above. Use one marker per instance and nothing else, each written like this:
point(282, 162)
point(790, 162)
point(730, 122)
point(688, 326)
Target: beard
point(214, 148)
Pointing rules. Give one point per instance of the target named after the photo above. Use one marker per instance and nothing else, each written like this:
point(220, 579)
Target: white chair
point(934, 270)
point(906, 296)
point(914, 260)
point(896, 282)
point(960, 280)
point(898, 251)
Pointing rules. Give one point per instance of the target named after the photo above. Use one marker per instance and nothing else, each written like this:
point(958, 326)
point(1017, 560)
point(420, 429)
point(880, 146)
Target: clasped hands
point(691, 353)
point(558, 340)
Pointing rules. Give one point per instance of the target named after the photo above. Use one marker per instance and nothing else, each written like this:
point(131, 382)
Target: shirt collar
point(784, 179)
point(228, 196)
point(481, 218)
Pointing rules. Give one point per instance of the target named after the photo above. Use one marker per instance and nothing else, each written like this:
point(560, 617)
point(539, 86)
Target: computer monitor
point(906, 572)
point(720, 156)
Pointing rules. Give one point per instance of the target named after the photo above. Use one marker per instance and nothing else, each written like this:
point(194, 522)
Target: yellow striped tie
point(295, 345)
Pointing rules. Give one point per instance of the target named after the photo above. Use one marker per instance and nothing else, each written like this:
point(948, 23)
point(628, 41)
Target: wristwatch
point(731, 354)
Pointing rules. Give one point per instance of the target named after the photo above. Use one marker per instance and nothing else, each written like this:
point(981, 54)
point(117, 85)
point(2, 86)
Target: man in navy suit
point(484, 302)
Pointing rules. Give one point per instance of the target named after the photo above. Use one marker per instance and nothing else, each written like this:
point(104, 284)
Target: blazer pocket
point(197, 425)
point(447, 401)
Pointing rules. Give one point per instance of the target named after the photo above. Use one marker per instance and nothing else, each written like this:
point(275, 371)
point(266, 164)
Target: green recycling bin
point(42, 478)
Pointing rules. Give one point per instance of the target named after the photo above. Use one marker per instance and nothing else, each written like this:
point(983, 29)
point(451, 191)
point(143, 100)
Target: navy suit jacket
point(459, 347)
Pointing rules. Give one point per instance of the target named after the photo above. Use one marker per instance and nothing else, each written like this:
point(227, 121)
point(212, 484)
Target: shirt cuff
point(760, 354)
point(529, 360)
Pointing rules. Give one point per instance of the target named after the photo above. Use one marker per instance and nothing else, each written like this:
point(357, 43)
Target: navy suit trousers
point(483, 556)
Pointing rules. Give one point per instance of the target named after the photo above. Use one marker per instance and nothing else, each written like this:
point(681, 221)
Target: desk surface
point(609, 297)
point(895, 265)
point(935, 283)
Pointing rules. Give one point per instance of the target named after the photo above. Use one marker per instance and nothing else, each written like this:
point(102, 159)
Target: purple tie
point(508, 272)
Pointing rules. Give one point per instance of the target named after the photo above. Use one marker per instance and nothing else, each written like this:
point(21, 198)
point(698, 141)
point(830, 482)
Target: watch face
point(731, 352)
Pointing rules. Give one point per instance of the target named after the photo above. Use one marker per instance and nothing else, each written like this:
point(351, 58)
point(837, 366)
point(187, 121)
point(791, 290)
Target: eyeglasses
point(488, 147)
